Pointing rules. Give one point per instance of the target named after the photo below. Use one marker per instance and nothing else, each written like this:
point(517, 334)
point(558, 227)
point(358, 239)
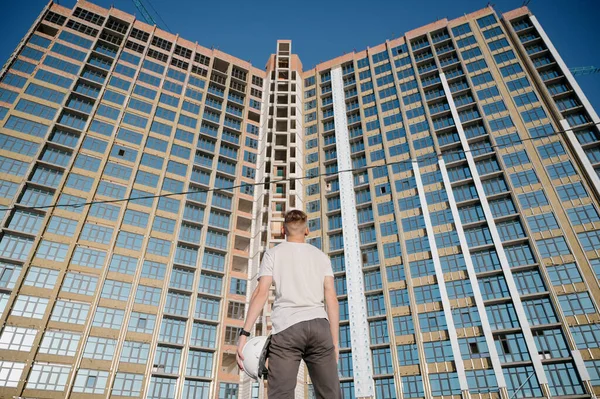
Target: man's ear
point(283, 231)
point(306, 231)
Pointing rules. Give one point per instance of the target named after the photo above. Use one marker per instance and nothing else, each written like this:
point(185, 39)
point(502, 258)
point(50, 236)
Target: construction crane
point(142, 9)
point(147, 16)
point(587, 70)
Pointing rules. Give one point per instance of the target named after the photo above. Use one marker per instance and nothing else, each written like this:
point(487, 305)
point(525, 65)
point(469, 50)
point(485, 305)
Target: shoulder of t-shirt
point(275, 249)
point(271, 251)
point(320, 253)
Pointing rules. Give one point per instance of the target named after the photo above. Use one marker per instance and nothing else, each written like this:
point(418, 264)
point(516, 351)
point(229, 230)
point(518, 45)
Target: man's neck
point(299, 239)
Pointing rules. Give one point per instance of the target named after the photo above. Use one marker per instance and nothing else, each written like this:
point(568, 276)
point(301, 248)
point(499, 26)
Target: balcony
point(229, 364)
point(239, 264)
point(216, 91)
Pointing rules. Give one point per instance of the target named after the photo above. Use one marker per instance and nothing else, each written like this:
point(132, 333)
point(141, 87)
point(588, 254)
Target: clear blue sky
point(321, 30)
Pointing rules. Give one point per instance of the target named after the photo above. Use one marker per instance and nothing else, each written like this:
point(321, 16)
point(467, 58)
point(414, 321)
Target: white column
point(357, 307)
point(584, 101)
point(510, 282)
point(439, 274)
point(485, 324)
point(583, 158)
point(587, 165)
point(585, 161)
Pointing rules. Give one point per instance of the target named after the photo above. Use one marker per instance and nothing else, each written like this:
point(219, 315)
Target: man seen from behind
point(303, 327)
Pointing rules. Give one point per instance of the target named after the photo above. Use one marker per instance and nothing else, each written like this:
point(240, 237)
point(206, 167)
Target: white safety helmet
point(255, 356)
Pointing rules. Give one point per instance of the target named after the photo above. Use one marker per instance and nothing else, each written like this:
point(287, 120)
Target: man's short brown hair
point(295, 222)
point(295, 216)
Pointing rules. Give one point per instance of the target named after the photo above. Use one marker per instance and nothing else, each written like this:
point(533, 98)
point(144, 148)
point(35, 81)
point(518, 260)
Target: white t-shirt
point(298, 271)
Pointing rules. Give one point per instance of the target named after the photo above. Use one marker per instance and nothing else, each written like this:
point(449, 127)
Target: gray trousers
point(309, 341)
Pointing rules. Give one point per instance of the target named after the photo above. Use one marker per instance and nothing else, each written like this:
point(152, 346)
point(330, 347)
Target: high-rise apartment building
point(451, 174)
point(97, 107)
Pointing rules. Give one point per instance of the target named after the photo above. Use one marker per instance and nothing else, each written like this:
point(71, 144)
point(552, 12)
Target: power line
point(227, 189)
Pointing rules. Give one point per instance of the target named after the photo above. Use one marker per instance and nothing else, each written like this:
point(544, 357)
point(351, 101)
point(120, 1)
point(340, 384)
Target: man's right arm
point(333, 313)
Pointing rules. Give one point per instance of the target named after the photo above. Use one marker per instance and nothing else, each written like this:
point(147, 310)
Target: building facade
point(126, 295)
point(451, 174)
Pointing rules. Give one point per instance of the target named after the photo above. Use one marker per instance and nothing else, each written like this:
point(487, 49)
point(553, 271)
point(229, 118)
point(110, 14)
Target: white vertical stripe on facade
point(256, 229)
point(585, 161)
point(357, 307)
point(485, 324)
point(587, 165)
point(510, 282)
point(565, 70)
point(581, 369)
point(439, 274)
point(576, 145)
